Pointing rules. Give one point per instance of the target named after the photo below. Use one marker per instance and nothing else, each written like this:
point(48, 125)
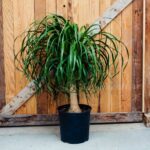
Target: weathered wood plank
point(115, 83)
point(105, 93)
point(19, 99)
point(147, 119)
point(73, 14)
point(137, 54)
point(111, 13)
point(39, 9)
point(94, 9)
point(62, 6)
point(51, 8)
point(126, 86)
point(38, 120)
point(42, 103)
point(31, 105)
point(147, 59)
point(116, 117)
point(8, 41)
point(82, 18)
point(87, 11)
point(2, 71)
point(61, 9)
point(42, 98)
point(19, 23)
point(23, 17)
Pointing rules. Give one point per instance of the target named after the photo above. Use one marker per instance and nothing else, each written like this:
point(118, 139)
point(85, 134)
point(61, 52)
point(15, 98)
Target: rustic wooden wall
point(147, 59)
point(119, 95)
point(2, 72)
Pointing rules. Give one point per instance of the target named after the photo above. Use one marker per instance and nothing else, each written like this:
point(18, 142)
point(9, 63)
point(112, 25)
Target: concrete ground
point(102, 137)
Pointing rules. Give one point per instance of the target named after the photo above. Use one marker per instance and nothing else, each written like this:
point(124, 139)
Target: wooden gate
point(120, 101)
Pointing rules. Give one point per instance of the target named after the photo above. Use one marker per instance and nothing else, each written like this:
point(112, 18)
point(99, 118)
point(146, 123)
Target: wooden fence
point(122, 94)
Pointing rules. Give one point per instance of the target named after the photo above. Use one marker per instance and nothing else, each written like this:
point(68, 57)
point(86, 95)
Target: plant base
point(74, 127)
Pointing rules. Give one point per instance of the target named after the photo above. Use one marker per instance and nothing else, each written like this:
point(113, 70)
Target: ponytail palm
point(61, 57)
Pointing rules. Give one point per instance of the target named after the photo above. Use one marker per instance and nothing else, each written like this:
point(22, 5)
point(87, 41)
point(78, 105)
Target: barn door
point(120, 101)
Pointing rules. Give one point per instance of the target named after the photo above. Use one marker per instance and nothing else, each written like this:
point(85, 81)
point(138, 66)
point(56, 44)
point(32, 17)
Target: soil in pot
point(74, 127)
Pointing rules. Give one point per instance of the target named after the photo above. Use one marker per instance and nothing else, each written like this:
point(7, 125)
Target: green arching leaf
point(58, 54)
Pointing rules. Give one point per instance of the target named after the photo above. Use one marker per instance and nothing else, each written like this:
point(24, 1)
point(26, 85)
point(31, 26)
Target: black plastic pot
point(74, 127)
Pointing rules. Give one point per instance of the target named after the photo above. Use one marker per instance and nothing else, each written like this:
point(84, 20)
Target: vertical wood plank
point(126, 89)
point(137, 55)
point(18, 14)
point(39, 9)
point(73, 10)
point(23, 16)
point(51, 7)
point(69, 10)
point(2, 71)
point(93, 14)
point(42, 98)
point(84, 7)
point(83, 13)
point(84, 18)
point(79, 14)
point(105, 102)
point(88, 11)
point(31, 105)
point(147, 59)
point(115, 83)
point(18, 29)
point(62, 9)
point(8, 30)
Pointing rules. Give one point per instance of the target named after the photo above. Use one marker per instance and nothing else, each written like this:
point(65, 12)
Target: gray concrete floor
point(102, 137)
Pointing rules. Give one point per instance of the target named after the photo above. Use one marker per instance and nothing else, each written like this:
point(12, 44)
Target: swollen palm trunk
point(74, 127)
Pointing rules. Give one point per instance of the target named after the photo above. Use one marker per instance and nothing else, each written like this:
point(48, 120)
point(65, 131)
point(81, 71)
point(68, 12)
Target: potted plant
point(62, 58)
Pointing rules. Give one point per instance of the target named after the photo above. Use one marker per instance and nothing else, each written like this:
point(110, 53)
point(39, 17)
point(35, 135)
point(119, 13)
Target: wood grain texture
point(147, 59)
point(8, 39)
point(137, 55)
point(31, 105)
point(42, 103)
point(62, 6)
point(112, 12)
point(2, 69)
point(117, 117)
point(38, 120)
point(62, 9)
point(81, 9)
point(94, 99)
point(105, 94)
point(81, 12)
point(19, 100)
point(146, 119)
point(42, 98)
point(39, 9)
point(18, 29)
point(115, 83)
point(23, 17)
point(74, 12)
point(126, 86)
point(51, 8)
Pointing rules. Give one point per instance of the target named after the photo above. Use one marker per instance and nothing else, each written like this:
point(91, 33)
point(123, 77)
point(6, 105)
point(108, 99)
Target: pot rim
point(64, 108)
